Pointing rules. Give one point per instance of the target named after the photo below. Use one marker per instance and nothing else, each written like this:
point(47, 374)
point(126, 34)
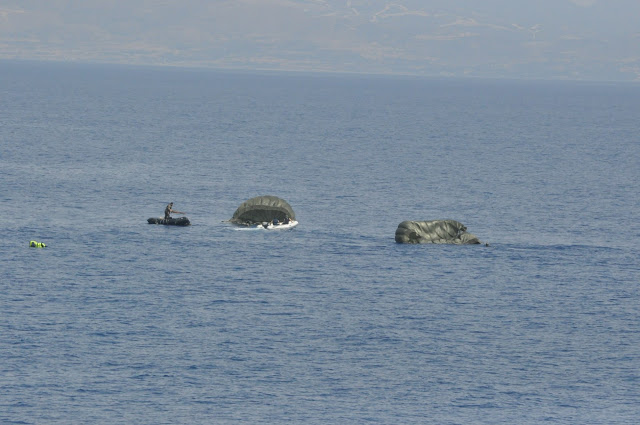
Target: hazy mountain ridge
point(541, 39)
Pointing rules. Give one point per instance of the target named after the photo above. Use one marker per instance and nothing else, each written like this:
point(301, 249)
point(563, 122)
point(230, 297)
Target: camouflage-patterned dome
point(435, 231)
point(261, 209)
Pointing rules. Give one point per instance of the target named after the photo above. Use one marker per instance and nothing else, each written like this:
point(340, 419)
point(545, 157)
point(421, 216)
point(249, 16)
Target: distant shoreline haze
point(584, 40)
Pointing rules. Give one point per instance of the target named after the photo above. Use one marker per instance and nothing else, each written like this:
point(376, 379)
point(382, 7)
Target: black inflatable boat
point(180, 221)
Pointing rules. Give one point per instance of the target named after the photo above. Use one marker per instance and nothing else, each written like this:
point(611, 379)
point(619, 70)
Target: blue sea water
point(119, 321)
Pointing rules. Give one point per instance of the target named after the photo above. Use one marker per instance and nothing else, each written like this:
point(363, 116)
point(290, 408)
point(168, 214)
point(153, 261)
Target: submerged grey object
point(262, 209)
point(435, 231)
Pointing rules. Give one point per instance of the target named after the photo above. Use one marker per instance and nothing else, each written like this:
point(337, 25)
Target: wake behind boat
point(278, 226)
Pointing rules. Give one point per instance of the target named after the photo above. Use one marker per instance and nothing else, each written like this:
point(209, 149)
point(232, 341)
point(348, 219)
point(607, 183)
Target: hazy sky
point(558, 39)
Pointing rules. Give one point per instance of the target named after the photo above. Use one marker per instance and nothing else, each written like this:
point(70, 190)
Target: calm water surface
point(118, 321)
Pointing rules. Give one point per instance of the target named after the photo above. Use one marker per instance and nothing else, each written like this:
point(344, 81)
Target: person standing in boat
point(169, 209)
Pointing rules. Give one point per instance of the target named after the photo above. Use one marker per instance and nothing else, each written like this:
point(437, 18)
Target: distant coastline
point(301, 72)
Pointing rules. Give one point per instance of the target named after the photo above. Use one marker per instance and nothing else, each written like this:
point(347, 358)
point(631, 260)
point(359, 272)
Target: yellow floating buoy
point(34, 244)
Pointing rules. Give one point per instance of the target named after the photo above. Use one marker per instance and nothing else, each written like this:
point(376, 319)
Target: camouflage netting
point(261, 209)
point(436, 231)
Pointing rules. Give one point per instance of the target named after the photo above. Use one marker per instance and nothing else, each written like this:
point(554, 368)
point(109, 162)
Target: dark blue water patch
point(332, 321)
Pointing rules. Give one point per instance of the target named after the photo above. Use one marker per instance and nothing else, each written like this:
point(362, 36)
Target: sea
point(118, 321)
